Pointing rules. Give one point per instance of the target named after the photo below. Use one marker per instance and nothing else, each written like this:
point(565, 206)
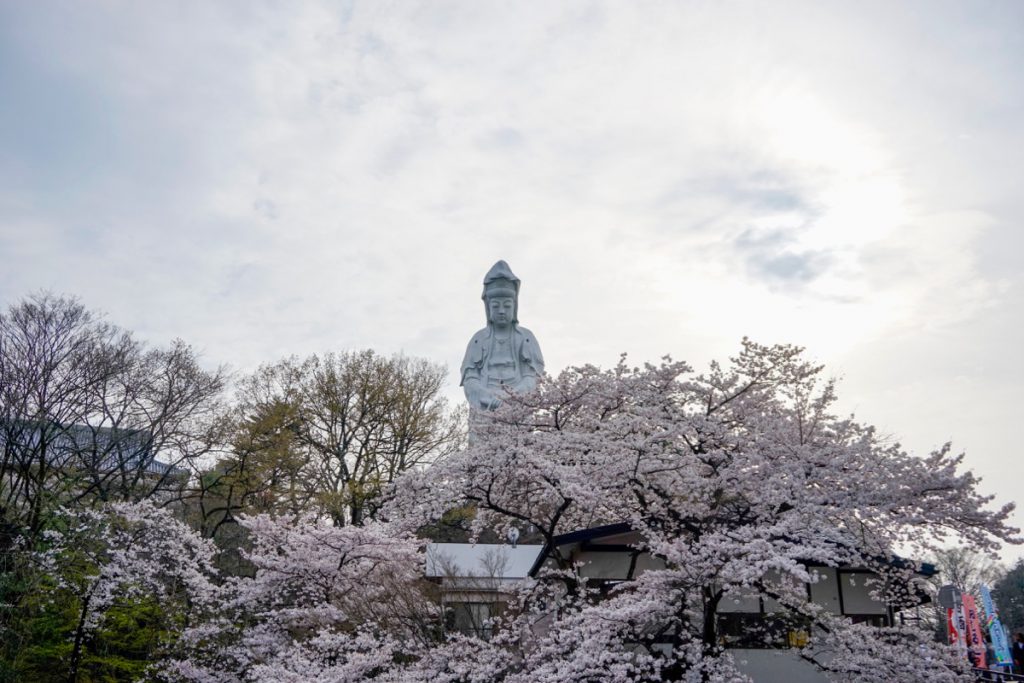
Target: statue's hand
point(480, 396)
point(487, 399)
point(525, 385)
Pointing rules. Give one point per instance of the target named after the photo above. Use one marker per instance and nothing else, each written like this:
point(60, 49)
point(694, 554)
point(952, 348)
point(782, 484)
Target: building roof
point(581, 536)
point(102, 448)
point(585, 535)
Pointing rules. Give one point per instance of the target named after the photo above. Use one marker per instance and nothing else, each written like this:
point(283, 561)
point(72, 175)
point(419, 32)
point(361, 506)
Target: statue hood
point(496, 277)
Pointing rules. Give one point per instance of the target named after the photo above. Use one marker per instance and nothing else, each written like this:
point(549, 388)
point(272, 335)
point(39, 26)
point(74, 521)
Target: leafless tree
point(967, 569)
point(964, 568)
point(88, 413)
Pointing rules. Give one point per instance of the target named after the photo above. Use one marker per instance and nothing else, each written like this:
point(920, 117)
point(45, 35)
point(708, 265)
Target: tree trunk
point(76, 651)
point(709, 634)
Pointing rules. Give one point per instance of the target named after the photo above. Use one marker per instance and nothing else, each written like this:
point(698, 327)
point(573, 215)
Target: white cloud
point(265, 180)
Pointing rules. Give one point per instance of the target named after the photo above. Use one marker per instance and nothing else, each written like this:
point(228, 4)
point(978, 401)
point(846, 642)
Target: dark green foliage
point(131, 637)
point(39, 616)
point(1008, 593)
point(38, 622)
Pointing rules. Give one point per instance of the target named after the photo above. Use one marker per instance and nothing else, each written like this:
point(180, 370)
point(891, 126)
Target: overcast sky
point(266, 179)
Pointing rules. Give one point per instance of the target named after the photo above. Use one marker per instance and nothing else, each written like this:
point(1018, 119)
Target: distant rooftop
point(104, 448)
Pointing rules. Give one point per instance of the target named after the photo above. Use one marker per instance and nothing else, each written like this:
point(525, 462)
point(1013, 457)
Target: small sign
point(949, 597)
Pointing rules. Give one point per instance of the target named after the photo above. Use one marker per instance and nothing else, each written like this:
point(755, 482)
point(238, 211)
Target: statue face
point(500, 310)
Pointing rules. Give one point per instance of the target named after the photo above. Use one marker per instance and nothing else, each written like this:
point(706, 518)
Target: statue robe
point(526, 352)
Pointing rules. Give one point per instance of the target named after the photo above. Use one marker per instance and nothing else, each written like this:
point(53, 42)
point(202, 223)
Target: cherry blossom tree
point(324, 603)
point(738, 480)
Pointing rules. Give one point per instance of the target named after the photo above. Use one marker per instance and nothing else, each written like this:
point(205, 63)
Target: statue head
point(501, 295)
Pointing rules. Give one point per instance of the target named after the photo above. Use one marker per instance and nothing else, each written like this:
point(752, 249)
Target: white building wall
point(825, 591)
point(857, 587)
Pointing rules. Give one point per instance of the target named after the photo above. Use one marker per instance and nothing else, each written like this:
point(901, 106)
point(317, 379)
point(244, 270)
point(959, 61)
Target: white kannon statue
point(503, 356)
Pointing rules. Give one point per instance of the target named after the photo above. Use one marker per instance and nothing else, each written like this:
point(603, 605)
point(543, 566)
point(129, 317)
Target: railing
point(990, 675)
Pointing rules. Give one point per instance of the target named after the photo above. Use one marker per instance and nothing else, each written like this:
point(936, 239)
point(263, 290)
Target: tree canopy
point(737, 479)
point(741, 482)
point(107, 445)
point(329, 434)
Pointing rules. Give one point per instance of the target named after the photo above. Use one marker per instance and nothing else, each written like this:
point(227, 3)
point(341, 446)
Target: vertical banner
point(975, 639)
point(996, 632)
point(954, 628)
point(957, 625)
